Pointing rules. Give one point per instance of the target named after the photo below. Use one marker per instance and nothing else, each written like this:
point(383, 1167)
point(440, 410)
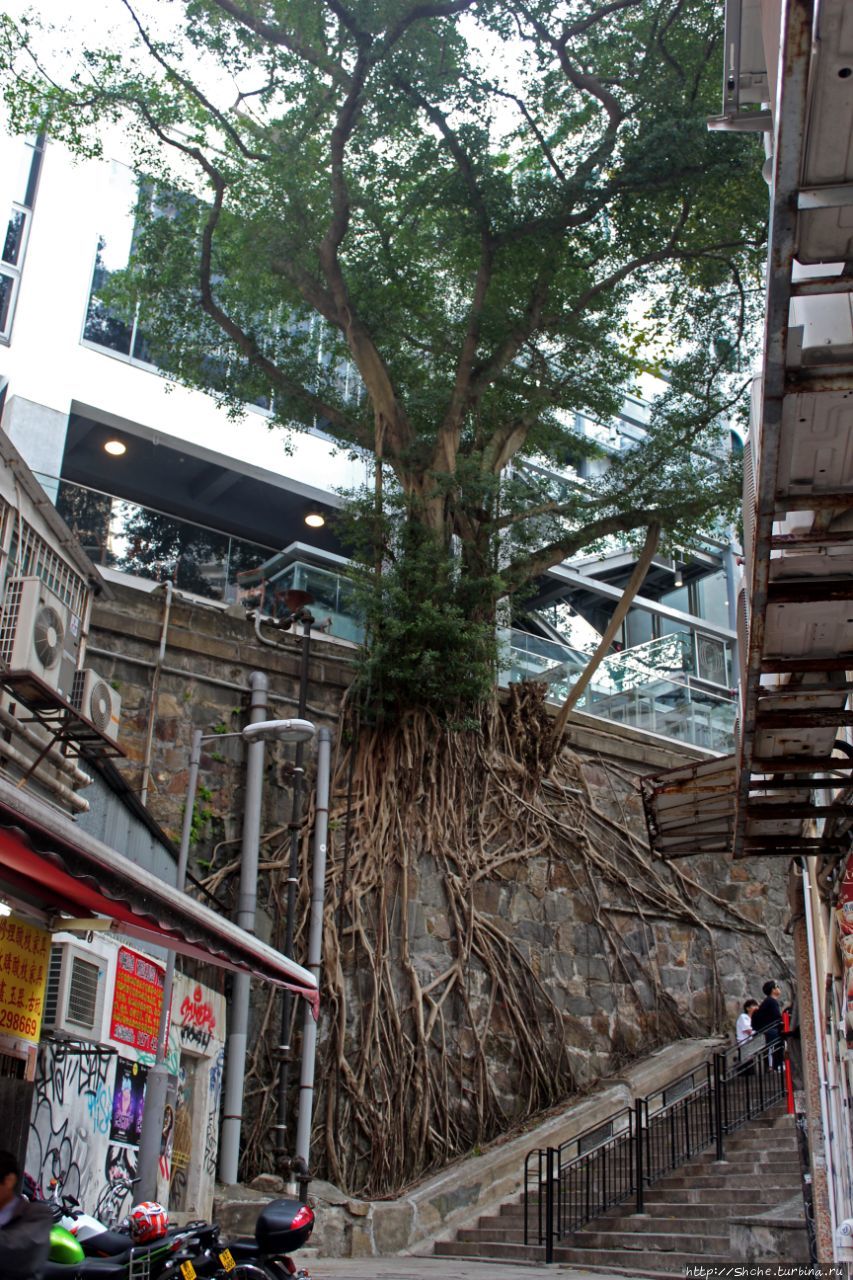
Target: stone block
point(271, 1183)
point(392, 1226)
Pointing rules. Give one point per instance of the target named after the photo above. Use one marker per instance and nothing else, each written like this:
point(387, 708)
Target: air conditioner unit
point(39, 633)
point(76, 989)
point(711, 664)
point(97, 701)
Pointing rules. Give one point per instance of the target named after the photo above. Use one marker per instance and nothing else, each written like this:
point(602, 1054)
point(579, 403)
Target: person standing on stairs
point(768, 1018)
point(743, 1026)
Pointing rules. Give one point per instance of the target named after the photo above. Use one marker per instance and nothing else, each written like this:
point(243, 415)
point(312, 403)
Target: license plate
point(188, 1271)
point(227, 1260)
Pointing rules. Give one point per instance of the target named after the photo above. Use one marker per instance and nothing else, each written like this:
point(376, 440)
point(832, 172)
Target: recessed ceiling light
point(315, 520)
point(115, 448)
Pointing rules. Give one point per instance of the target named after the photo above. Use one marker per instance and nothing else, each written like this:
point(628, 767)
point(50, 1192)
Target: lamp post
point(255, 734)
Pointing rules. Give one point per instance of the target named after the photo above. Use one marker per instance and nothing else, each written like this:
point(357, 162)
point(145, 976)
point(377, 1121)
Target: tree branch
point(285, 39)
point(637, 579)
point(192, 89)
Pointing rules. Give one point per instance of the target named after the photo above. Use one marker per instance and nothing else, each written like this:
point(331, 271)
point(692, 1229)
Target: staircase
point(687, 1213)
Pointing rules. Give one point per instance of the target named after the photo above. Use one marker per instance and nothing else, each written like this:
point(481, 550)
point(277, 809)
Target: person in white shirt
point(743, 1026)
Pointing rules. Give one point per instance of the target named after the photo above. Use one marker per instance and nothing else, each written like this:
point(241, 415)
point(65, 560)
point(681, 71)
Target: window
point(14, 241)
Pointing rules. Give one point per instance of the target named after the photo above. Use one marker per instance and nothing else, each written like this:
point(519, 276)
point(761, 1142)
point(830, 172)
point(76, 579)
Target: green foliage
point(489, 217)
point(202, 814)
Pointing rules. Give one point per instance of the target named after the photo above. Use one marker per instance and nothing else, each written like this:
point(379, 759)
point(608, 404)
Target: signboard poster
point(128, 1101)
point(137, 1001)
point(24, 959)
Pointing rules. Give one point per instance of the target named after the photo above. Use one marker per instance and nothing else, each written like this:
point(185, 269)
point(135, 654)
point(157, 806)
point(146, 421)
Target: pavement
point(439, 1269)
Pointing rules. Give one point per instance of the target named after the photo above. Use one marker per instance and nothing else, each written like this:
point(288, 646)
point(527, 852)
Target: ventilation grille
point(82, 1006)
point(9, 620)
point(54, 979)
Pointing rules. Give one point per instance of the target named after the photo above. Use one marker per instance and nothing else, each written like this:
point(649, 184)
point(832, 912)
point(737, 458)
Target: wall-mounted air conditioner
point(39, 633)
point(76, 988)
point(711, 660)
point(97, 701)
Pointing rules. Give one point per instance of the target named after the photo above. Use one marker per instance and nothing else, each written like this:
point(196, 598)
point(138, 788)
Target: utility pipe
point(58, 788)
point(54, 755)
point(235, 1069)
point(155, 694)
point(285, 1048)
point(315, 943)
point(319, 712)
point(820, 1045)
point(157, 1079)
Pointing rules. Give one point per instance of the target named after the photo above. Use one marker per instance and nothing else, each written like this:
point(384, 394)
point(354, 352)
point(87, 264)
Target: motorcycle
point(164, 1259)
point(283, 1226)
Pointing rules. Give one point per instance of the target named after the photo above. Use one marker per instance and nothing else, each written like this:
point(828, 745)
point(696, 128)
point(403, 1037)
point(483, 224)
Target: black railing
point(568, 1186)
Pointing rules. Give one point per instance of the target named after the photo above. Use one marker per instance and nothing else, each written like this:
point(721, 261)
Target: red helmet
point(148, 1221)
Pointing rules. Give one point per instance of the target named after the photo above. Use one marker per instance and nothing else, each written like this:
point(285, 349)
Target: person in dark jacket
point(768, 1018)
point(24, 1226)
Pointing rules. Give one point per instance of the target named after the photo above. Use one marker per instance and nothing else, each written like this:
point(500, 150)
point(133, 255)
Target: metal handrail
point(647, 1141)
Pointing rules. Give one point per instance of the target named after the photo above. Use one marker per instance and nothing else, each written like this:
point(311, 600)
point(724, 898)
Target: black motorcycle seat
point(91, 1269)
point(244, 1248)
point(106, 1244)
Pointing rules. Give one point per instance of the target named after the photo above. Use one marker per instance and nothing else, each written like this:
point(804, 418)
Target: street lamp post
point(255, 734)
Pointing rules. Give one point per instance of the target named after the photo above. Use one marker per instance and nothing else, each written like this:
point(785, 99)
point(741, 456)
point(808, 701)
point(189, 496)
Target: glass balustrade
point(659, 686)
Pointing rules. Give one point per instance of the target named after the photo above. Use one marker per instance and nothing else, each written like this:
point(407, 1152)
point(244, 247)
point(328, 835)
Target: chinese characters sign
point(24, 955)
point(137, 1001)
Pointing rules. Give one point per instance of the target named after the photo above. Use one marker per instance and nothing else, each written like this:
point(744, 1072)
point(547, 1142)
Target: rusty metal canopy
point(796, 614)
point(691, 809)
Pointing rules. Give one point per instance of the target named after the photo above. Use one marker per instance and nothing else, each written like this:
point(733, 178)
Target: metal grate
point(82, 1005)
point(11, 1068)
point(9, 620)
point(31, 556)
point(51, 995)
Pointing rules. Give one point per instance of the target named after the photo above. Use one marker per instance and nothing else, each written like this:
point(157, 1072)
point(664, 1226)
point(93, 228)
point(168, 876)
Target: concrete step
point(756, 1193)
point(701, 1209)
point(732, 1182)
point(661, 1241)
point(628, 1259)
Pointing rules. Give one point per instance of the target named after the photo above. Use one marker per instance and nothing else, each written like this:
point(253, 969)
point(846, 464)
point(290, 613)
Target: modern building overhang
point(47, 863)
point(195, 485)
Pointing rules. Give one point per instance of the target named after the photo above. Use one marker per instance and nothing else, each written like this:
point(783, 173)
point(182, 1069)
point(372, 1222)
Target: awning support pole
point(235, 1062)
point(315, 945)
point(157, 1080)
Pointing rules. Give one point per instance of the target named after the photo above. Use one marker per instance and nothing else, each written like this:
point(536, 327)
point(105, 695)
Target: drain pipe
point(232, 1117)
point(315, 949)
point(820, 1046)
point(155, 694)
point(285, 1048)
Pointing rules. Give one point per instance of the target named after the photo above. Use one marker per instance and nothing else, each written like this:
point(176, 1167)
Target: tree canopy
point(494, 213)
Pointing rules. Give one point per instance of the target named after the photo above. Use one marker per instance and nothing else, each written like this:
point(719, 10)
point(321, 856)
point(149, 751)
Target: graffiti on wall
point(60, 1146)
point(211, 1135)
point(197, 1021)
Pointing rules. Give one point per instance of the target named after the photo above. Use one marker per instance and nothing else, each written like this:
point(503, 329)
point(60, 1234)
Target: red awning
point(70, 872)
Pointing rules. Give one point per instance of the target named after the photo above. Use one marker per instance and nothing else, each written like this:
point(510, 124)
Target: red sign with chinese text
point(137, 1001)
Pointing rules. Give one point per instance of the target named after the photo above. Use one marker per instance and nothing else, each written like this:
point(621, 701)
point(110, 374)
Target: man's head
point(10, 1173)
point(772, 988)
point(749, 1005)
